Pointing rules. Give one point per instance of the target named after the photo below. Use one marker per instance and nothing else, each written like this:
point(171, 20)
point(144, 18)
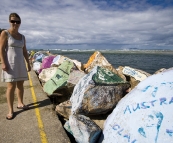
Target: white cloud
point(133, 23)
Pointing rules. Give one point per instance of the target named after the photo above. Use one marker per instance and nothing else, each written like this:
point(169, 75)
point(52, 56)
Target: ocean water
point(146, 61)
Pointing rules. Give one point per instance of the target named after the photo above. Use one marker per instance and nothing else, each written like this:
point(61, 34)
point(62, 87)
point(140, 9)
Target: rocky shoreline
point(84, 95)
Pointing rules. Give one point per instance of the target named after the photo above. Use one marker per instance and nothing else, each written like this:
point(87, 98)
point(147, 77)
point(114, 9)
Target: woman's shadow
point(35, 105)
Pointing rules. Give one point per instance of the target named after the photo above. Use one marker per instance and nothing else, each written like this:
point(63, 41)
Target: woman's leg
point(10, 96)
point(20, 92)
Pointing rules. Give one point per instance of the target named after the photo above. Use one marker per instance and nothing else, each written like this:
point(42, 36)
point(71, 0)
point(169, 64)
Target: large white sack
point(145, 114)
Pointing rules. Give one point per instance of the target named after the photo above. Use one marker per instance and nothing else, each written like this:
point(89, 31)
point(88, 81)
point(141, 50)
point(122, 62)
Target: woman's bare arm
point(3, 42)
point(25, 54)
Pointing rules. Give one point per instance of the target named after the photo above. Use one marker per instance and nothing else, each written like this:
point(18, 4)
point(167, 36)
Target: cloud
point(114, 24)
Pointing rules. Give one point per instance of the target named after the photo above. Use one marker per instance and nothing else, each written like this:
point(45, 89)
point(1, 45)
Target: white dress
point(15, 61)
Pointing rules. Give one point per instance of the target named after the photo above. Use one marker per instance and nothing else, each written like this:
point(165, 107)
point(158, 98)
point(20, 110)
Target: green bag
point(59, 79)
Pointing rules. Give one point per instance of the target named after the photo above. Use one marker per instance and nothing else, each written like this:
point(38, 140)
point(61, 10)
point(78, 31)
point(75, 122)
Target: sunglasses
point(14, 21)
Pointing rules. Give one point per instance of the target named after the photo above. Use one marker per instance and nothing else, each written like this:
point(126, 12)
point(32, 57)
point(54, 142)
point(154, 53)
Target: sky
point(93, 24)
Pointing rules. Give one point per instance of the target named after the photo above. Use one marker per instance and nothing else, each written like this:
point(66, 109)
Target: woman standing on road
point(12, 53)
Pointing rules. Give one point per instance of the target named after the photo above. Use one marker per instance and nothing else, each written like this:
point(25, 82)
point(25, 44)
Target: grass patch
point(28, 86)
point(2, 90)
point(2, 94)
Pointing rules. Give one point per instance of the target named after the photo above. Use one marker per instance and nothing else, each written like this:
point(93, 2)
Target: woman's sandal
point(10, 116)
point(24, 107)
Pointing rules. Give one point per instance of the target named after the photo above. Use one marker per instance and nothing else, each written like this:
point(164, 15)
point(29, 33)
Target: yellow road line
point(37, 112)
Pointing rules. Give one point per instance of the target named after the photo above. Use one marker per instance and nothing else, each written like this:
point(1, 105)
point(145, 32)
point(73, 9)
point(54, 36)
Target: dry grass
point(2, 94)
point(3, 91)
